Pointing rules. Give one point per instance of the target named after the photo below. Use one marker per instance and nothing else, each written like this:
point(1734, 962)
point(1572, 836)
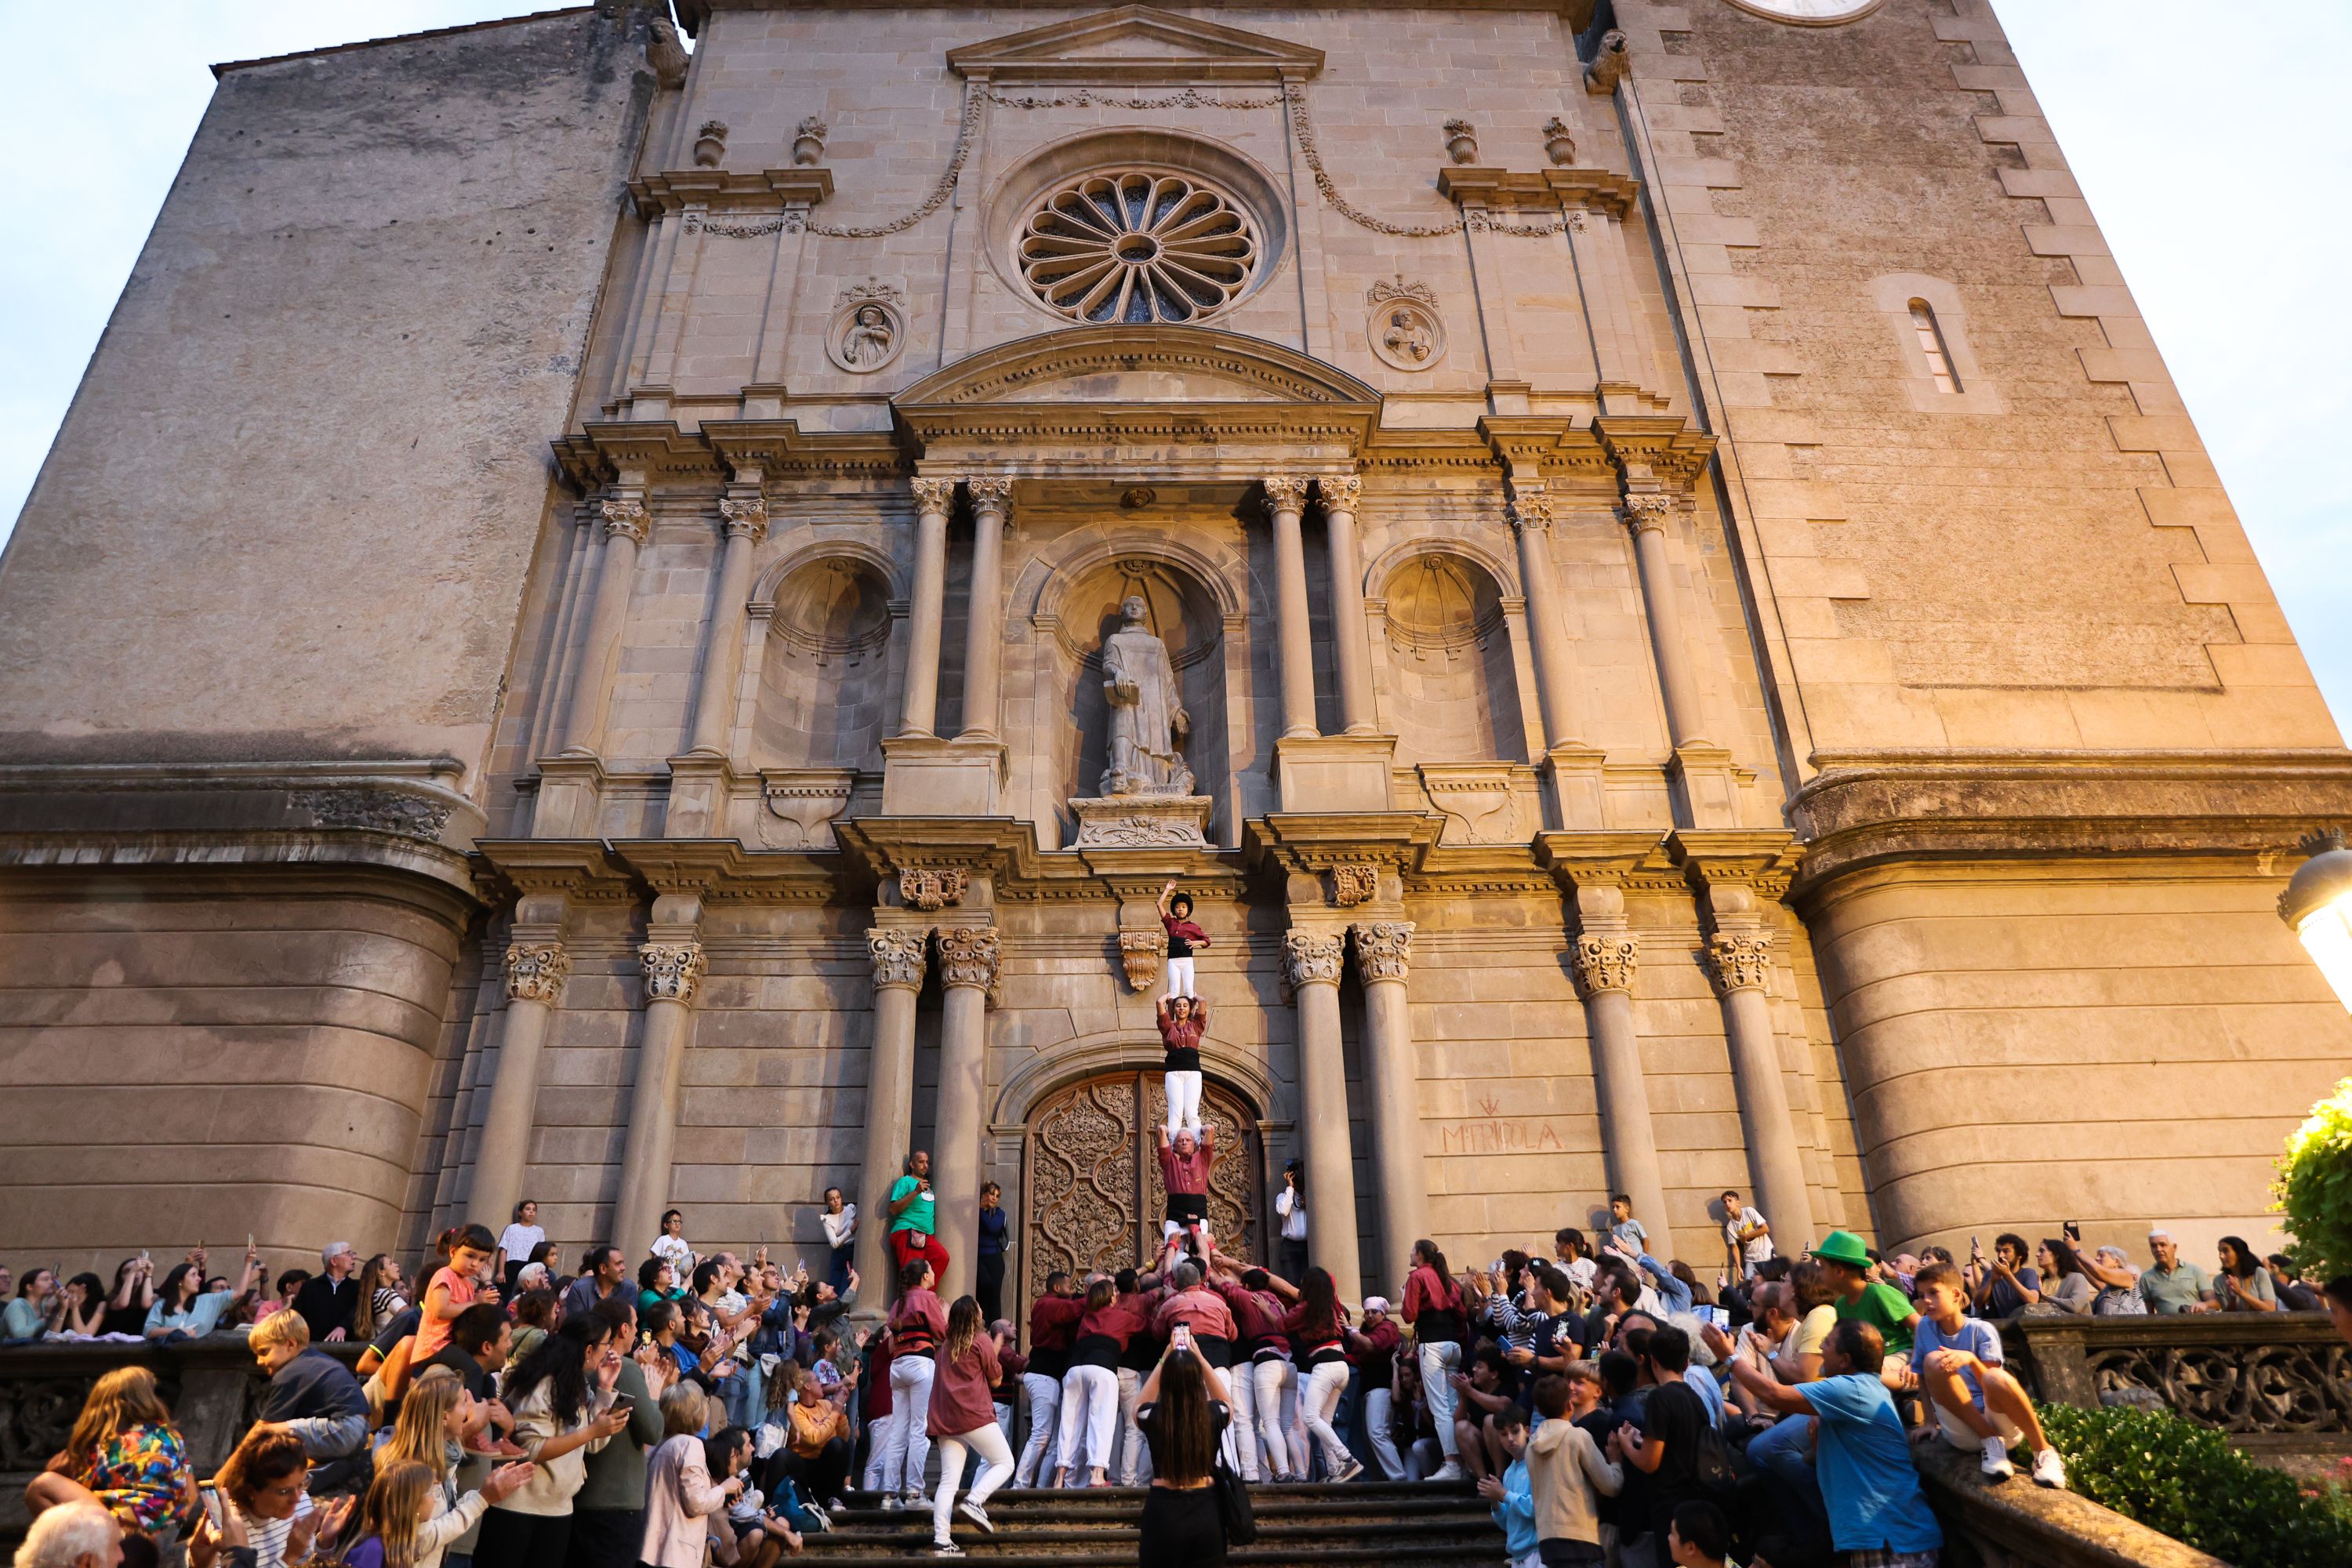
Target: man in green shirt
point(914, 1215)
point(2171, 1286)
point(1883, 1307)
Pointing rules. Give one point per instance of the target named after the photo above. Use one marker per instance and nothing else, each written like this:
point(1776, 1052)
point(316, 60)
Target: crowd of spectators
point(680, 1409)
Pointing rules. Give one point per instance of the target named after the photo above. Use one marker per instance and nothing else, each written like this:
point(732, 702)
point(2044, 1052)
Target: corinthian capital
point(992, 496)
point(1648, 509)
point(1742, 960)
point(536, 972)
point(1530, 507)
point(899, 953)
point(968, 956)
point(1311, 958)
point(934, 495)
point(1286, 492)
point(1385, 949)
point(746, 516)
point(624, 515)
point(1340, 491)
point(1604, 961)
point(672, 969)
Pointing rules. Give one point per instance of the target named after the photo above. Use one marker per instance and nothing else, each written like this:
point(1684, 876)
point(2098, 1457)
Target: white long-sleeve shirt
point(840, 1228)
point(1294, 1214)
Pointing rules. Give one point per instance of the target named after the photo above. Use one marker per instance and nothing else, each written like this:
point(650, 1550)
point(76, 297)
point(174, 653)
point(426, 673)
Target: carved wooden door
point(1095, 1198)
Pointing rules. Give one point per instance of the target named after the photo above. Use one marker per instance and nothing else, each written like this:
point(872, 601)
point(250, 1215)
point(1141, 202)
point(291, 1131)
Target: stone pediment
point(1136, 46)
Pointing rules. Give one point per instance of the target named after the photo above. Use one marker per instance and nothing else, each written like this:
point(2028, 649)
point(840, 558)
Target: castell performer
point(1183, 937)
point(1184, 1170)
point(1183, 1021)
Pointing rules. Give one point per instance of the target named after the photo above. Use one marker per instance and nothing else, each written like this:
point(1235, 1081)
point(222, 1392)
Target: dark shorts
point(1188, 1208)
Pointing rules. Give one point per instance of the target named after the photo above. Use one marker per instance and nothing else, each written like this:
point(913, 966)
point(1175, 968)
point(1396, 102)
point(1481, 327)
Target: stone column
point(714, 694)
point(592, 688)
point(933, 500)
point(1314, 965)
point(1645, 514)
point(968, 962)
point(984, 634)
point(1286, 498)
point(1742, 966)
point(535, 975)
point(1547, 613)
point(1351, 637)
point(1393, 1091)
point(899, 953)
point(1603, 964)
point(673, 968)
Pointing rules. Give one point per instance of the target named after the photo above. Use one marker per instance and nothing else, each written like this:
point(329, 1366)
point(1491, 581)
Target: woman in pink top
point(1433, 1305)
point(964, 1417)
point(917, 1323)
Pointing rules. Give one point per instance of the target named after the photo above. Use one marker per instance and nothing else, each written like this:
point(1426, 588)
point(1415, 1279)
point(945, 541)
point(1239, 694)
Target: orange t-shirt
point(433, 1333)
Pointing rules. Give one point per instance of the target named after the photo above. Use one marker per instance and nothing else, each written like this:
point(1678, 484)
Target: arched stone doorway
point(1093, 1196)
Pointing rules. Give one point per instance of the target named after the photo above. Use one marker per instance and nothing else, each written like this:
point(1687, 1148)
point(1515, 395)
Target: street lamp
point(2317, 906)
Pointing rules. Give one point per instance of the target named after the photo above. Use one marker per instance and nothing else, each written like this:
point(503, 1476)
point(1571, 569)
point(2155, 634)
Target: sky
point(2208, 145)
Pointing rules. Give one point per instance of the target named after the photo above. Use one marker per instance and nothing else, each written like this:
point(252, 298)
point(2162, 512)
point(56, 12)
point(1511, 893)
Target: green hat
point(1843, 1246)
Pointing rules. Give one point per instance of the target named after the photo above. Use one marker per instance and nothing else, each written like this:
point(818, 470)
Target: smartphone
point(623, 1403)
point(2072, 1230)
point(1719, 1316)
point(1180, 1337)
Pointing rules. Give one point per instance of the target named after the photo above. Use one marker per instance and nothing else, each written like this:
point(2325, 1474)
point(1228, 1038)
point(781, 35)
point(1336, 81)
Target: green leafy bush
point(2315, 1187)
point(2187, 1481)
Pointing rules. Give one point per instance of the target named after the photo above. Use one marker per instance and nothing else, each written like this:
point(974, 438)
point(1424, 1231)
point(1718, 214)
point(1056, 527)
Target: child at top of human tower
point(1182, 1017)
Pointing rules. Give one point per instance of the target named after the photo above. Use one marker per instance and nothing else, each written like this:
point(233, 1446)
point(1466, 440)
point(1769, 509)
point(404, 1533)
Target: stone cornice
point(1311, 843)
point(1860, 811)
point(1098, 49)
point(1539, 190)
point(1659, 449)
point(583, 869)
point(715, 189)
point(659, 453)
point(692, 14)
point(1765, 861)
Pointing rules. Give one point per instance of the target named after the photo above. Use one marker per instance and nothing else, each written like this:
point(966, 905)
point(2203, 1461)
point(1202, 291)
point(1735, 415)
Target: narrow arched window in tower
point(1931, 344)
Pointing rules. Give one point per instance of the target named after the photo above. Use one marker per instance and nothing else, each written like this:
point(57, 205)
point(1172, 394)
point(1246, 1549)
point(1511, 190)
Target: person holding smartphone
point(1185, 1408)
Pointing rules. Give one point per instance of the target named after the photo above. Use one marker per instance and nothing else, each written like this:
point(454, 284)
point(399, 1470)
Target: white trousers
point(1264, 1383)
point(1183, 1097)
point(1436, 1361)
point(1180, 979)
point(995, 1464)
point(1134, 1455)
point(1318, 1402)
point(1089, 1416)
point(910, 1410)
point(1044, 1411)
point(1379, 1411)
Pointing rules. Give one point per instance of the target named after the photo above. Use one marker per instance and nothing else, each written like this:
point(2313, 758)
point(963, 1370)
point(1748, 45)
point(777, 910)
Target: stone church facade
point(558, 651)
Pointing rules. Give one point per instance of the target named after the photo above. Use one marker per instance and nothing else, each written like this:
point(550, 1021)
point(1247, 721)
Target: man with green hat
point(1883, 1307)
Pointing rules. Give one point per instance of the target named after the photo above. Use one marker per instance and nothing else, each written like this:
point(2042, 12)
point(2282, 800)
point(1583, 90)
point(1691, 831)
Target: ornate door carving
point(1095, 1198)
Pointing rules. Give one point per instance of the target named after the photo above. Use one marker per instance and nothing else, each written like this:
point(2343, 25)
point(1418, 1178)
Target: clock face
point(1811, 13)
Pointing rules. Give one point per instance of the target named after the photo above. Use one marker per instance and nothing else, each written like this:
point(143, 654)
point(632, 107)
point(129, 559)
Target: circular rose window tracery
point(1137, 247)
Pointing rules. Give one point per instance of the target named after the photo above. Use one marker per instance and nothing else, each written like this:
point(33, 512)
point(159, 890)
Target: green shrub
point(2188, 1483)
point(2315, 1187)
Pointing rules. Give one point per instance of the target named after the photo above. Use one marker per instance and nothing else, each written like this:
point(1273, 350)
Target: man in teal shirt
point(914, 1217)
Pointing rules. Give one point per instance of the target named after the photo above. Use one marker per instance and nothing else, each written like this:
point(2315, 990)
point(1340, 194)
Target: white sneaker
point(890, 1503)
point(2049, 1469)
point(977, 1514)
point(946, 1549)
point(1355, 1468)
point(916, 1502)
point(1449, 1471)
point(1996, 1465)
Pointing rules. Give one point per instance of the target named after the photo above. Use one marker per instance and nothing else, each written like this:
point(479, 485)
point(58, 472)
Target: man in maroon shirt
point(1185, 1171)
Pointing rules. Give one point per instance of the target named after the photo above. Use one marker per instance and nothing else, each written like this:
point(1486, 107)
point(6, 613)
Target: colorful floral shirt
point(142, 1474)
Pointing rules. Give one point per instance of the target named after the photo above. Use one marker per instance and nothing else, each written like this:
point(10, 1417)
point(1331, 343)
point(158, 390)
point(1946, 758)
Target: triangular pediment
point(1136, 46)
point(1128, 364)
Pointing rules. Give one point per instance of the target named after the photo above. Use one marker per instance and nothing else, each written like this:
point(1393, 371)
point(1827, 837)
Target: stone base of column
point(1335, 772)
point(701, 786)
point(1142, 821)
point(1707, 782)
point(1572, 780)
point(571, 794)
point(923, 775)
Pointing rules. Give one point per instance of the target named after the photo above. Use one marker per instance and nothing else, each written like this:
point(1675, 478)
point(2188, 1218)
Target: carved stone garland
point(930, 888)
point(536, 972)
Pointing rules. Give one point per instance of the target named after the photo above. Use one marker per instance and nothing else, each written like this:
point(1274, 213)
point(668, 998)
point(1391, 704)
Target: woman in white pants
point(1433, 1305)
point(1376, 1346)
point(962, 1417)
point(1053, 1324)
point(1183, 1021)
point(1317, 1326)
point(917, 1323)
point(1090, 1388)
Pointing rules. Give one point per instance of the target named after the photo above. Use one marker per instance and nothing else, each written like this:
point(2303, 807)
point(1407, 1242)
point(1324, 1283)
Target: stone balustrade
point(2274, 1382)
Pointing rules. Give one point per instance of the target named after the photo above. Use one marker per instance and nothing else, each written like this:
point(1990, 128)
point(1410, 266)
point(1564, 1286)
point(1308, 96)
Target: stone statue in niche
point(1147, 711)
point(1407, 338)
point(870, 338)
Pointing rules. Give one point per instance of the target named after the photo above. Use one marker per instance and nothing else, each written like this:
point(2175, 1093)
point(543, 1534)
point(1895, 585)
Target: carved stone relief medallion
point(1405, 331)
point(868, 329)
point(927, 887)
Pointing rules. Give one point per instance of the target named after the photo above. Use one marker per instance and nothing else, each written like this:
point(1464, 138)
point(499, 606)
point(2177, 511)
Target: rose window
point(1137, 247)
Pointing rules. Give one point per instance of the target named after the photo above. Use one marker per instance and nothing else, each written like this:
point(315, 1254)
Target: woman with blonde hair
point(395, 1505)
point(125, 1454)
point(679, 1492)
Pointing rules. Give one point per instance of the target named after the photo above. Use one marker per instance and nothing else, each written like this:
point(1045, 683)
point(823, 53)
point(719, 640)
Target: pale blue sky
point(2208, 138)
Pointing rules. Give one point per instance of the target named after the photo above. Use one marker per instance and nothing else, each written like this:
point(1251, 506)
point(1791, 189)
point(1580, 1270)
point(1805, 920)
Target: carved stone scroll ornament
point(1340, 493)
point(991, 493)
point(933, 495)
point(746, 517)
point(1741, 961)
point(625, 517)
point(1385, 949)
point(1140, 952)
point(969, 956)
point(1142, 822)
point(673, 970)
point(1647, 509)
point(536, 972)
point(1311, 958)
point(1604, 961)
point(931, 888)
point(1285, 492)
point(1530, 508)
point(382, 810)
point(1353, 885)
point(900, 954)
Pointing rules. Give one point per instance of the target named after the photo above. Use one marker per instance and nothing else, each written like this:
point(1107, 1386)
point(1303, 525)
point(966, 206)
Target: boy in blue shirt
point(1978, 1404)
point(1513, 1494)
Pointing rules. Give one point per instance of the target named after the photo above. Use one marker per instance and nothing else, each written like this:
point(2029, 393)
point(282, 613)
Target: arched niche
point(1454, 694)
point(825, 676)
point(1184, 612)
